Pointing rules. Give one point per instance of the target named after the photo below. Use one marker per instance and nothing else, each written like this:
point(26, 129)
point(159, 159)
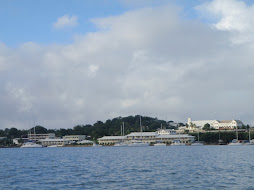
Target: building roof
point(135, 134)
point(112, 137)
point(53, 140)
point(174, 136)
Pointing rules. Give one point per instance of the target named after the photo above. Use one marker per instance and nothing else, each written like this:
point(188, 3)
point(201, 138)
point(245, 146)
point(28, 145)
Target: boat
point(138, 142)
point(160, 144)
point(31, 144)
point(97, 145)
point(250, 142)
point(177, 142)
point(53, 146)
point(121, 143)
point(197, 143)
point(235, 142)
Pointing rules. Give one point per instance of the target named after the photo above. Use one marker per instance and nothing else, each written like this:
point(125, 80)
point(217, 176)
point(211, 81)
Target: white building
point(164, 135)
point(50, 142)
point(75, 138)
point(216, 124)
point(38, 137)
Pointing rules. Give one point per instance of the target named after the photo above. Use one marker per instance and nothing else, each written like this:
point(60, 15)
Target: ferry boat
point(31, 144)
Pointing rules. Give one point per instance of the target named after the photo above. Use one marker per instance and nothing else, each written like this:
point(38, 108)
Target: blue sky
point(64, 63)
point(31, 21)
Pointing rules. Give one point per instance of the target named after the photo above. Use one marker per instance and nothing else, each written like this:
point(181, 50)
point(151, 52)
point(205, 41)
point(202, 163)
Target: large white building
point(75, 138)
point(162, 135)
point(38, 137)
point(216, 124)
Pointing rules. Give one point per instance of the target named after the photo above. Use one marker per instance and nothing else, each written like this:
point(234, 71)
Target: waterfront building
point(162, 135)
point(74, 138)
point(50, 142)
point(38, 137)
point(216, 124)
point(19, 140)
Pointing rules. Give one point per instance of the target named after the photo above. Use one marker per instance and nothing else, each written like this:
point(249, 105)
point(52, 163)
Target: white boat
point(197, 143)
point(31, 144)
point(96, 145)
point(123, 144)
point(138, 142)
point(250, 142)
point(160, 144)
point(53, 146)
point(177, 143)
point(235, 142)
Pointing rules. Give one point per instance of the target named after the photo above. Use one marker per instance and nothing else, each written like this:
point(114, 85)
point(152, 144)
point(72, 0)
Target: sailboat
point(121, 143)
point(250, 142)
point(235, 142)
point(197, 143)
point(138, 142)
point(31, 144)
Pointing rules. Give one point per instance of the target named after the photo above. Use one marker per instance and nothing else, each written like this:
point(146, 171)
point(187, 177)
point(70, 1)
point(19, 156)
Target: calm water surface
point(183, 167)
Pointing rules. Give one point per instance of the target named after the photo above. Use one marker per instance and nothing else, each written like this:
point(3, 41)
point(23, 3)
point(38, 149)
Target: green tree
point(207, 127)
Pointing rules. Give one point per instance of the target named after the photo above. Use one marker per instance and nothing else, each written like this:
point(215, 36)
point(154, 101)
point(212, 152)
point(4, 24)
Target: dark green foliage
point(213, 137)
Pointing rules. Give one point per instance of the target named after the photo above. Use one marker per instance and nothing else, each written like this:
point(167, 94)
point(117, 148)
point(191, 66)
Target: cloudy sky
point(64, 63)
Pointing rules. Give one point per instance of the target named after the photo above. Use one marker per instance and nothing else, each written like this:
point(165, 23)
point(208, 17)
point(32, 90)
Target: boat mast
point(123, 128)
point(140, 126)
point(249, 134)
point(236, 133)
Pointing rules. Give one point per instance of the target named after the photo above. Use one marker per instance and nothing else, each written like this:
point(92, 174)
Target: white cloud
point(147, 61)
point(66, 21)
point(233, 16)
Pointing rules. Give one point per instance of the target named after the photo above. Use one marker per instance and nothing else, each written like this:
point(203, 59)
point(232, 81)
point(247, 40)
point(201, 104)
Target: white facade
point(163, 135)
point(49, 142)
point(74, 137)
point(38, 137)
point(227, 124)
point(216, 124)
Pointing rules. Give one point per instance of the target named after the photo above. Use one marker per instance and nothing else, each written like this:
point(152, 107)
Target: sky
point(65, 63)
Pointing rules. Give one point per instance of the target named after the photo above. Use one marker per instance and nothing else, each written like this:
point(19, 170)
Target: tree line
point(99, 129)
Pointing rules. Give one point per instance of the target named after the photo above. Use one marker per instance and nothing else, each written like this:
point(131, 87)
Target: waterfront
point(183, 167)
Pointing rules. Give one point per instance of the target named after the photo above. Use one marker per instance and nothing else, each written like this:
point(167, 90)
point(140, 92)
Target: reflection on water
point(178, 167)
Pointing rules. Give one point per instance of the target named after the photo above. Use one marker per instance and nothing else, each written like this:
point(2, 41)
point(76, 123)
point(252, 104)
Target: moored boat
point(160, 144)
point(177, 142)
point(31, 144)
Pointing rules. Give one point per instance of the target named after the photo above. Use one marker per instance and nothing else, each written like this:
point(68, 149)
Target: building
point(19, 140)
point(216, 124)
point(50, 142)
point(227, 124)
point(38, 137)
point(75, 138)
point(163, 135)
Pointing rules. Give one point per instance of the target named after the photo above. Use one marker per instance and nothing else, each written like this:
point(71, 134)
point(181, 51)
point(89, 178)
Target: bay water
point(170, 167)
